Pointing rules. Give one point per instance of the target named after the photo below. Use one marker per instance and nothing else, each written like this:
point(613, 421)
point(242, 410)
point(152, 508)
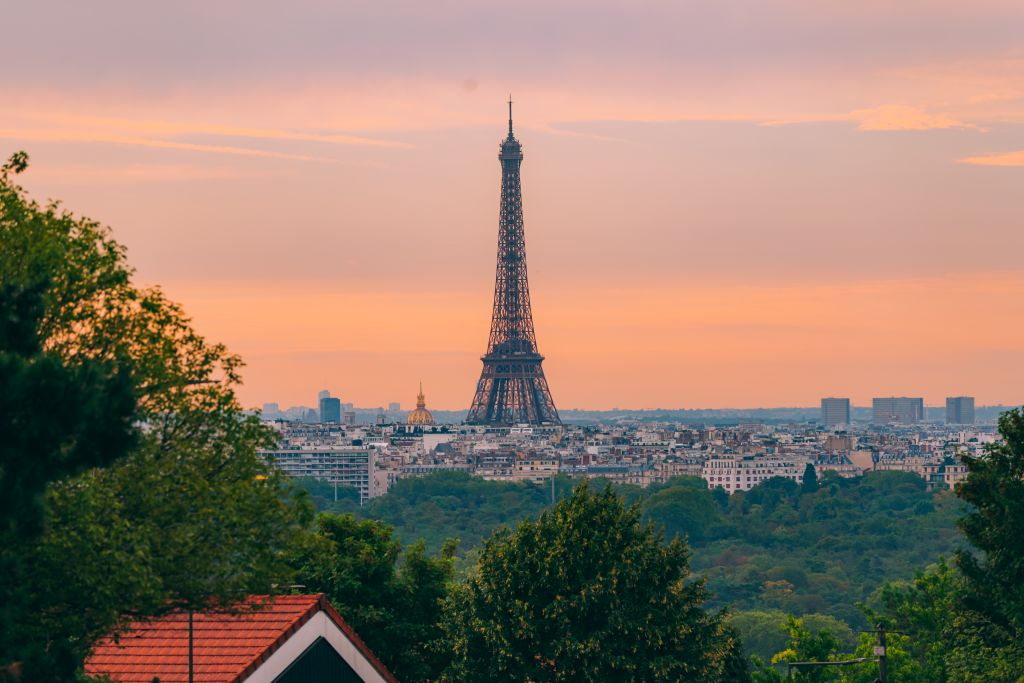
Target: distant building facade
point(351, 466)
point(835, 411)
point(960, 410)
point(746, 472)
point(330, 409)
point(897, 409)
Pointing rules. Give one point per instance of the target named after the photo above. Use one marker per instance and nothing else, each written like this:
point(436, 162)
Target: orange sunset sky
point(728, 204)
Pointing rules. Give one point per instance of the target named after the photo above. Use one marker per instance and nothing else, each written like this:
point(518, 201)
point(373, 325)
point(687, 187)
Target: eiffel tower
point(512, 388)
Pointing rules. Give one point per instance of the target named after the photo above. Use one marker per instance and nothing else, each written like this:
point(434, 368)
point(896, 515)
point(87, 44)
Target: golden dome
point(421, 416)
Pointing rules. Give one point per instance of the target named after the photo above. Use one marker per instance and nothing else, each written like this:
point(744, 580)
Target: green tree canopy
point(810, 480)
point(804, 646)
point(587, 592)
point(190, 515)
point(994, 524)
point(392, 599)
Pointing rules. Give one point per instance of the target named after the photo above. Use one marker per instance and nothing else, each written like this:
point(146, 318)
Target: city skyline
point(759, 204)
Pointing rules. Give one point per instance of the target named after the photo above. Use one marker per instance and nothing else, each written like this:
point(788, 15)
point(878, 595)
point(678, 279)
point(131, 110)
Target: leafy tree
point(987, 629)
point(901, 666)
point(322, 494)
point(456, 505)
point(393, 600)
point(764, 632)
point(56, 420)
point(810, 480)
point(687, 510)
point(190, 515)
point(804, 646)
point(585, 593)
point(994, 524)
point(925, 607)
point(767, 549)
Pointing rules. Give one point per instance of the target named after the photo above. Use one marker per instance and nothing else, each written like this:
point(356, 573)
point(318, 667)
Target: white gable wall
point(320, 625)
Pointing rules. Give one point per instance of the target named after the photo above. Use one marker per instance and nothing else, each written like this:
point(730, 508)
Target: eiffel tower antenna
point(512, 388)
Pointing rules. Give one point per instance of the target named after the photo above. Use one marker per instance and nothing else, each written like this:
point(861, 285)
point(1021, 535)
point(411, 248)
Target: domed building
point(421, 416)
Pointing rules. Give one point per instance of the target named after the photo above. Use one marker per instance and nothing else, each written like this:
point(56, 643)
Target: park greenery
point(777, 547)
point(131, 485)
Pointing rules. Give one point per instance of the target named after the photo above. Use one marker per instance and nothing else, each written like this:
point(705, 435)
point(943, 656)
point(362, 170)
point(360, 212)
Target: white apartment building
point(744, 473)
point(343, 465)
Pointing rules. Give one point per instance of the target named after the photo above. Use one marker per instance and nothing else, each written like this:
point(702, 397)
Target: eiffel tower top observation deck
point(512, 388)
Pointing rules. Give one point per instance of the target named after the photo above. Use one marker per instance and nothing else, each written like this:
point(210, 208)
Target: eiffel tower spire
point(512, 388)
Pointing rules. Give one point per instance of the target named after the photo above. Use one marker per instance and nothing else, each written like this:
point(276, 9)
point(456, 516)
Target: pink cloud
point(903, 117)
point(1004, 159)
point(37, 135)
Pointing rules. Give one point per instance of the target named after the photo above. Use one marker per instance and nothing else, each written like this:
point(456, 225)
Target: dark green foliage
point(686, 507)
point(186, 516)
point(823, 552)
point(322, 495)
point(994, 525)
point(804, 646)
point(967, 627)
point(588, 592)
point(391, 598)
point(764, 632)
point(735, 664)
point(810, 480)
point(926, 607)
point(770, 548)
point(56, 420)
point(455, 505)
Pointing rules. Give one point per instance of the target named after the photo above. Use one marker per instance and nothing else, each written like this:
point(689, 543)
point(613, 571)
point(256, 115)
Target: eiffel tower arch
point(512, 388)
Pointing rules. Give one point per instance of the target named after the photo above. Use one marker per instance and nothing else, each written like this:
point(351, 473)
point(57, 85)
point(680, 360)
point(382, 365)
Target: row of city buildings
point(372, 457)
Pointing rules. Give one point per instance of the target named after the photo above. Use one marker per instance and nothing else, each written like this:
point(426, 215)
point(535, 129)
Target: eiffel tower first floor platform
point(512, 390)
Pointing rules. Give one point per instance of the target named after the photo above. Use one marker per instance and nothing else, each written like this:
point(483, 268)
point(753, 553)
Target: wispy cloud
point(903, 117)
point(1004, 159)
point(883, 118)
point(38, 135)
point(139, 174)
point(552, 129)
point(152, 127)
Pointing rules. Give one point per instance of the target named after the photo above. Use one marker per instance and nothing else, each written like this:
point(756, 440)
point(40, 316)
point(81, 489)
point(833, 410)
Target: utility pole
point(880, 650)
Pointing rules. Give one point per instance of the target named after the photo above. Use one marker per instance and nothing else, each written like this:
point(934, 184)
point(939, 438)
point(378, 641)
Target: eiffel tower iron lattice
point(512, 387)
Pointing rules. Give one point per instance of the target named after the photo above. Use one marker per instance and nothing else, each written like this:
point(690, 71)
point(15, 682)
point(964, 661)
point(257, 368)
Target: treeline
point(816, 549)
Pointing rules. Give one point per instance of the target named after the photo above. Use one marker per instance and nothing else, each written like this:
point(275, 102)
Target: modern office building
point(835, 411)
point(330, 409)
point(960, 410)
point(394, 407)
point(342, 465)
point(901, 409)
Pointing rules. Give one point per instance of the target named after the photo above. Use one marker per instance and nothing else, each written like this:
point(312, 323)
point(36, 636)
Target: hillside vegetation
point(804, 550)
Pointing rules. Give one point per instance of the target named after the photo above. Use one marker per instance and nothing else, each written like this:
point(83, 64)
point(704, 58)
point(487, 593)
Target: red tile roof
point(226, 646)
